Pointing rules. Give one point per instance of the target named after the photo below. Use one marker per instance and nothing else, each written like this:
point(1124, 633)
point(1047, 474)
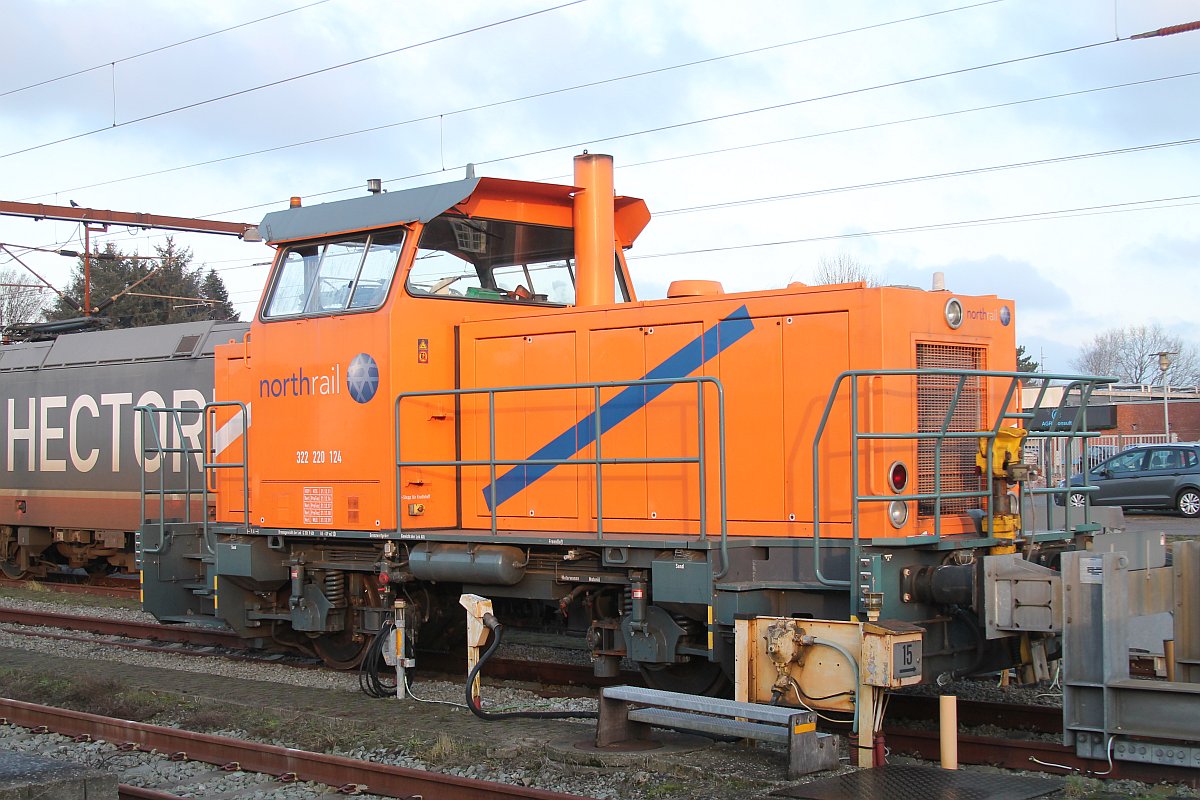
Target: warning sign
point(422, 351)
point(318, 505)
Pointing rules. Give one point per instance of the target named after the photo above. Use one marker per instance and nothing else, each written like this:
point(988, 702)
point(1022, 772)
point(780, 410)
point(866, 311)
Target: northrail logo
point(362, 378)
point(362, 381)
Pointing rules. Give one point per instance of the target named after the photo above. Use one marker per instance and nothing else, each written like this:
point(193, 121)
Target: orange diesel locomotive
point(455, 389)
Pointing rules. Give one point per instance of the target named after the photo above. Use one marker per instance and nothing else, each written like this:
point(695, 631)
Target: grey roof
point(180, 340)
point(360, 213)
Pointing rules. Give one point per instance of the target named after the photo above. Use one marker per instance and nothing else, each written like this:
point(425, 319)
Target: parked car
point(1152, 476)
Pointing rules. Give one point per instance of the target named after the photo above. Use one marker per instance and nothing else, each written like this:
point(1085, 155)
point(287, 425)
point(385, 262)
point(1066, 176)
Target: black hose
point(371, 678)
point(497, 632)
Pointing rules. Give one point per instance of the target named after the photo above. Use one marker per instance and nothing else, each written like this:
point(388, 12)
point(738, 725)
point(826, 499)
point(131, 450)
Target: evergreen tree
point(214, 291)
point(175, 292)
point(1025, 362)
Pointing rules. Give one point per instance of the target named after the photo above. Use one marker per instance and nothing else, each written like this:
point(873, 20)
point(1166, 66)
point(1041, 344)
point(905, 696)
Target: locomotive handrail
point(150, 413)
point(1083, 385)
point(175, 415)
point(211, 465)
point(600, 422)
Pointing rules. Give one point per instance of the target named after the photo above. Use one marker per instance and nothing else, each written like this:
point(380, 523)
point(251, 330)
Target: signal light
point(384, 578)
point(294, 202)
point(898, 476)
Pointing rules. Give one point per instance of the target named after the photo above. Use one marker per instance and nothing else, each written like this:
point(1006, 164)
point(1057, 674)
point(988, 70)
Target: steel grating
point(934, 396)
point(905, 782)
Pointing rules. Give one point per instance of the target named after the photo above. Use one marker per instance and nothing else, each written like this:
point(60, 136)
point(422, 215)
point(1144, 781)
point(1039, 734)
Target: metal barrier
point(590, 430)
point(1070, 425)
point(153, 447)
point(1108, 714)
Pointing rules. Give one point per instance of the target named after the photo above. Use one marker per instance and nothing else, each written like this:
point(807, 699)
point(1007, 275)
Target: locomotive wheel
point(339, 650)
point(12, 571)
point(698, 676)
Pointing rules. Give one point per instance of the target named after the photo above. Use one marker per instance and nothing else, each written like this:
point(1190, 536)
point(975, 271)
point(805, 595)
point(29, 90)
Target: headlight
point(954, 312)
point(898, 513)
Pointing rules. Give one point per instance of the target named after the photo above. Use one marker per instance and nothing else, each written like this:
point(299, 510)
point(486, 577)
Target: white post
point(402, 663)
point(477, 634)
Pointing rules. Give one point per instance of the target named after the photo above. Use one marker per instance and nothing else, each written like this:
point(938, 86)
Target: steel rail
point(269, 759)
point(190, 634)
point(128, 792)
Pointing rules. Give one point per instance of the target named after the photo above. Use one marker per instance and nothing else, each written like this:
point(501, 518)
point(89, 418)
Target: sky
point(764, 136)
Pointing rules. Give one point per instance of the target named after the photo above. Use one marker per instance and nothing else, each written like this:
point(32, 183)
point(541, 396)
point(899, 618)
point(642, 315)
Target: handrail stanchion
point(492, 454)
point(702, 476)
point(598, 459)
point(722, 489)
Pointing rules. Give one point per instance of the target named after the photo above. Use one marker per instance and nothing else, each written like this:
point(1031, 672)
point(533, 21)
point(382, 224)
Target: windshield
point(334, 277)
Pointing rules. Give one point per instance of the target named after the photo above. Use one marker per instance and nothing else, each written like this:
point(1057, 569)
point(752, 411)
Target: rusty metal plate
point(904, 782)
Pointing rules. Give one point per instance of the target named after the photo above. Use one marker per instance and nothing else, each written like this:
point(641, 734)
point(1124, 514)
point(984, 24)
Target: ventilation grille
point(187, 345)
point(934, 395)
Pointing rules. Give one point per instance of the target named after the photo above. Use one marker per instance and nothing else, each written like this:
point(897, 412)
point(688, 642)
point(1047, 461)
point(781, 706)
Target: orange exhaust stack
point(595, 231)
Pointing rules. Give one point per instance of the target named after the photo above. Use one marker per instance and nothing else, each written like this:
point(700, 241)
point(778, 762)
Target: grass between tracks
point(113, 699)
point(36, 591)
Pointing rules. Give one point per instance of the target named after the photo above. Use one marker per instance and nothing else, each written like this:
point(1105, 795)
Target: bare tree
point(1131, 354)
point(843, 268)
point(21, 299)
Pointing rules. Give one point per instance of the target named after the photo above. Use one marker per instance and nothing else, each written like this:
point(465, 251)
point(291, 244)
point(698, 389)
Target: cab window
point(486, 259)
point(334, 277)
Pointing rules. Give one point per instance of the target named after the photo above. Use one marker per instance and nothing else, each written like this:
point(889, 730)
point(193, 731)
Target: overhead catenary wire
point(1110, 208)
point(281, 81)
point(675, 126)
point(624, 166)
point(113, 62)
point(522, 98)
point(927, 177)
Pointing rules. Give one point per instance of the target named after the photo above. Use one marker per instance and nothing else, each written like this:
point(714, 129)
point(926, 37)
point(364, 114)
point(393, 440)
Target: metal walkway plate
point(905, 782)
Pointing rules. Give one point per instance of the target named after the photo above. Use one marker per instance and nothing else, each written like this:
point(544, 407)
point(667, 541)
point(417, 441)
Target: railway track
point(1011, 752)
point(286, 764)
point(901, 735)
point(158, 637)
point(122, 588)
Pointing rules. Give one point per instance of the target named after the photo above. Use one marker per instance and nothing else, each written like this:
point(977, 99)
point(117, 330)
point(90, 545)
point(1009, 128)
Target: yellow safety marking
point(141, 586)
point(216, 604)
point(400, 643)
point(710, 627)
point(805, 728)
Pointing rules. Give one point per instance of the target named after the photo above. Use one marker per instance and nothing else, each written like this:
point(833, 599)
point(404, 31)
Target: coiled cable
point(372, 678)
point(497, 630)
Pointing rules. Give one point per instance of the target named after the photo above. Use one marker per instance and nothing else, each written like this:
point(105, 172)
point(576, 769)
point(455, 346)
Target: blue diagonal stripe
point(624, 404)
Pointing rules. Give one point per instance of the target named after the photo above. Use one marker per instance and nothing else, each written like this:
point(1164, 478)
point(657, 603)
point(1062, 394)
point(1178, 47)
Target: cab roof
point(496, 198)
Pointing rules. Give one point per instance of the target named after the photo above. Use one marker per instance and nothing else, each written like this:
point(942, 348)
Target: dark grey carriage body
point(70, 441)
